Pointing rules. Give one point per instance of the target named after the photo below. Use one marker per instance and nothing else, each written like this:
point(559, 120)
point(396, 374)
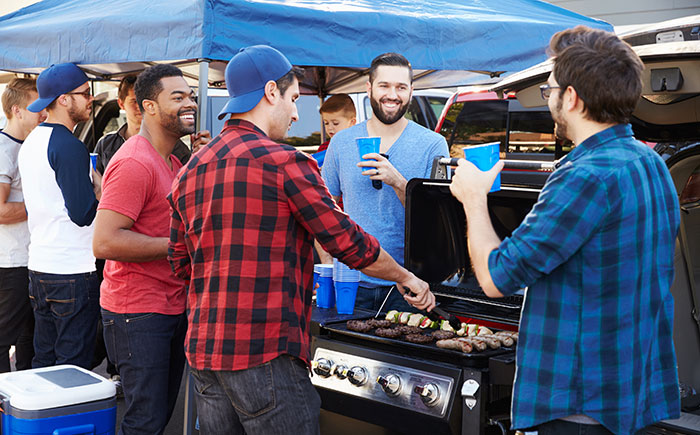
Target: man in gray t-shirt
point(407, 151)
point(16, 319)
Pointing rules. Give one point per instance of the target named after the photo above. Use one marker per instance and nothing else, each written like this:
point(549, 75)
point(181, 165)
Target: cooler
point(59, 400)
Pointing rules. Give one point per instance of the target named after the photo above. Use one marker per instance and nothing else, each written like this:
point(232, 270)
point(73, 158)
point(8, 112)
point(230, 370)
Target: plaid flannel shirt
point(245, 213)
point(597, 321)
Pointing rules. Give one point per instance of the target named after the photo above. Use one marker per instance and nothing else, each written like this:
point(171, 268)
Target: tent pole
point(202, 102)
point(321, 85)
point(323, 127)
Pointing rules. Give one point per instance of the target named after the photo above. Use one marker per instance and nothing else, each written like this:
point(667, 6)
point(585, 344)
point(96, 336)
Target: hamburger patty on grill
point(418, 338)
point(358, 326)
point(387, 332)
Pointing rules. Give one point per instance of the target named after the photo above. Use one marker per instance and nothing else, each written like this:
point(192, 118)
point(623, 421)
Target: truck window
point(531, 132)
point(525, 130)
point(474, 122)
point(305, 133)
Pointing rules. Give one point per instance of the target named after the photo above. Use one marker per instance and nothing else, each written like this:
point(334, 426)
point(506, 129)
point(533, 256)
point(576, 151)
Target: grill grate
point(428, 350)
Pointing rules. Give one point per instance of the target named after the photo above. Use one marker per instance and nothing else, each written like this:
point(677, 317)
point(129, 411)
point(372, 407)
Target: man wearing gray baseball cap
point(60, 194)
point(246, 210)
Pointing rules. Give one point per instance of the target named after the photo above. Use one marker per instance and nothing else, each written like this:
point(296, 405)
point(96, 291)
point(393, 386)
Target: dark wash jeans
point(16, 318)
point(148, 350)
point(273, 398)
point(372, 298)
point(66, 309)
point(561, 427)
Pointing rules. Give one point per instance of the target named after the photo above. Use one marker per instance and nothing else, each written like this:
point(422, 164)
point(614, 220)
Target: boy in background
point(337, 113)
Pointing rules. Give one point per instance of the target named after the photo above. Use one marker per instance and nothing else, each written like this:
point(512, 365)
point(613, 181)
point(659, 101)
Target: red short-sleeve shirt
point(136, 184)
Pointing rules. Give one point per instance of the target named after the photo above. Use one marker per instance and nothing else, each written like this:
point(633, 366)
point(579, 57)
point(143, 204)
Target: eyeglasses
point(87, 93)
point(546, 91)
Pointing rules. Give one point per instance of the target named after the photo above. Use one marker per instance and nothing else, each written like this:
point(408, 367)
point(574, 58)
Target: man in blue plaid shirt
point(596, 352)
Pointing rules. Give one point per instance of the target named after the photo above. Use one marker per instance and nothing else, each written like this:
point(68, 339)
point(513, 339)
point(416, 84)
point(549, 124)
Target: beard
point(383, 117)
point(172, 122)
point(78, 114)
point(561, 126)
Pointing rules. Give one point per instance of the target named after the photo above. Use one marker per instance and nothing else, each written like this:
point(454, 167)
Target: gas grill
point(371, 384)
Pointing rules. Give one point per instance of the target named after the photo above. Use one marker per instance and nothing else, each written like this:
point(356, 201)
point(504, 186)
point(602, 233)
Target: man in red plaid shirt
point(245, 213)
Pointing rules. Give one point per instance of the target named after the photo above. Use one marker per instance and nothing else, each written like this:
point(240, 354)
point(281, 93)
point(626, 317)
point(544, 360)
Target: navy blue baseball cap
point(248, 72)
point(54, 81)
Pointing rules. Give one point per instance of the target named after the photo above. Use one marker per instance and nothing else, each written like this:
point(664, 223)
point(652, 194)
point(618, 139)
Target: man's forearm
point(482, 240)
point(129, 246)
point(386, 268)
point(323, 255)
point(12, 212)
point(400, 190)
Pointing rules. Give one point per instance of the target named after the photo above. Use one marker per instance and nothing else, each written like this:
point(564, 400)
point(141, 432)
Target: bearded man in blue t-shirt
point(406, 151)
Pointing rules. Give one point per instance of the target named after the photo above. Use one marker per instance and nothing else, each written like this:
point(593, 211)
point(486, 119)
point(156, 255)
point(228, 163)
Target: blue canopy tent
point(447, 41)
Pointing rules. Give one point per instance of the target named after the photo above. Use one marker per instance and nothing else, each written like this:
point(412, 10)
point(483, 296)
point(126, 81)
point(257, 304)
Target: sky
point(7, 6)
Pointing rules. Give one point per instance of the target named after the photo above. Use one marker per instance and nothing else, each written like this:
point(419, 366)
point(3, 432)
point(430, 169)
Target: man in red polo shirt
point(142, 301)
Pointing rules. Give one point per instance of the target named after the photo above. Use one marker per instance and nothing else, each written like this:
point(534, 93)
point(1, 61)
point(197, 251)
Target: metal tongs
point(435, 314)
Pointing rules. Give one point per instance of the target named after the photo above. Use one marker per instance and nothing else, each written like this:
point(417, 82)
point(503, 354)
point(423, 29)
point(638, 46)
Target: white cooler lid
point(54, 387)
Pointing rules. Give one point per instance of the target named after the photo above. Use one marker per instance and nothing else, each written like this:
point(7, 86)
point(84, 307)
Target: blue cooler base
point(95, 418)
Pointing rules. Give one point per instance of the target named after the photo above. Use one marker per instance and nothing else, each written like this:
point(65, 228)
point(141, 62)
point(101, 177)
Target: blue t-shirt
point(379, 212)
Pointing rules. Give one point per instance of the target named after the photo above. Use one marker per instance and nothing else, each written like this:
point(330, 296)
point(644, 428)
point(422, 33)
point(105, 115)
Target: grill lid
point(436, 237)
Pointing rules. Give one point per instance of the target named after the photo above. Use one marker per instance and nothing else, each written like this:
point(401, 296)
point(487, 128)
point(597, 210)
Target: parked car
point(666, 117)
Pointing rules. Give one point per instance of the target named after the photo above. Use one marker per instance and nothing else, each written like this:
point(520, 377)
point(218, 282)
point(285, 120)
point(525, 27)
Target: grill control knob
point(391, 384)
point(357, 375)
point(341, 371)
point(429, 393)
point(322, 367)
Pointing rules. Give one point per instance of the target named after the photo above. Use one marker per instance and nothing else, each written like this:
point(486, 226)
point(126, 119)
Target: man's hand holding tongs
point(417, 293)
point(414, 290)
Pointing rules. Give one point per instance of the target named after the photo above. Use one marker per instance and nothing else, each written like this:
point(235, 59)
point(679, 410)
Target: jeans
point(148, 350)
point(273, 398)
point(66, 308)
point(558, 427)
point(100, 348)
point(372, 298)
point(16, 318)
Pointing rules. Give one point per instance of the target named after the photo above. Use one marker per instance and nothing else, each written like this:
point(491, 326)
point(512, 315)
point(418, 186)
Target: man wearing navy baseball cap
point(60, 194)
point(246, 210)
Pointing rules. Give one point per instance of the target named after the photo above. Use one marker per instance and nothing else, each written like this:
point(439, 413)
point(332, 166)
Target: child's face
point(333, 122)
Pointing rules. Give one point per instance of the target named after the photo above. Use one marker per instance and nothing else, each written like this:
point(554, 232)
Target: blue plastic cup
point(485, 157)
point(317, 273)
point(341, 272)
point(345, 294)
point(346, 282)
point(93, 160)
point(368, 145)
point(325, 294)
